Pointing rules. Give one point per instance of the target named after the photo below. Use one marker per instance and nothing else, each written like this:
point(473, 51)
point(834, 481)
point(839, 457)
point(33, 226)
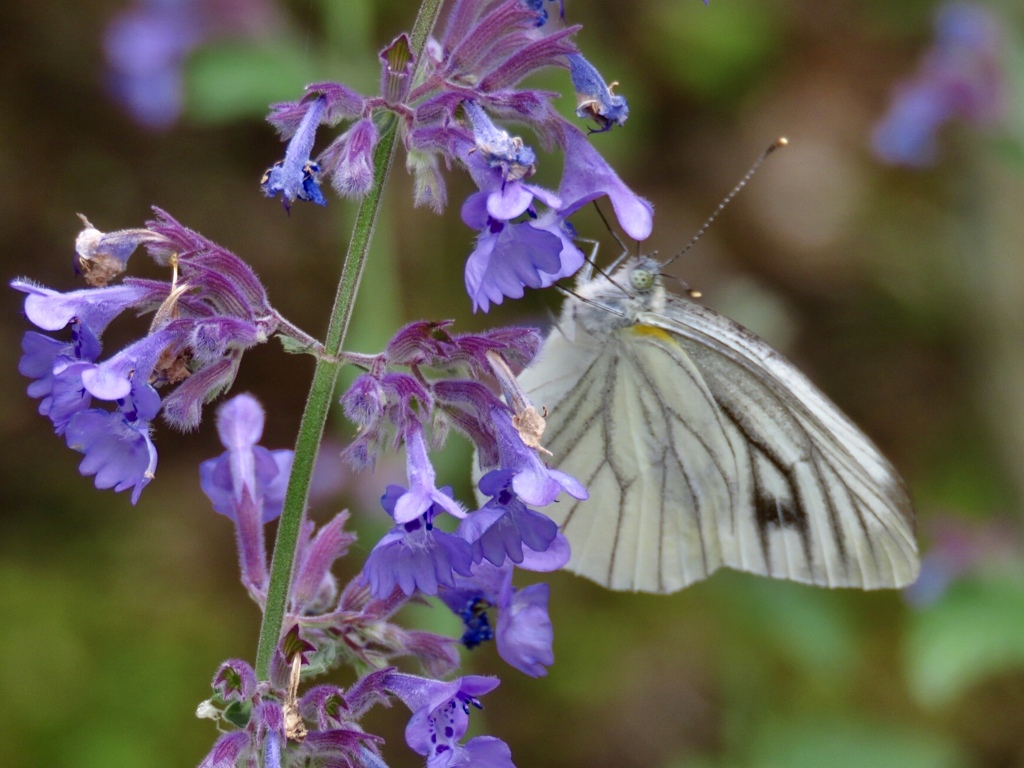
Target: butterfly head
point(644, 275)
point(608, 303)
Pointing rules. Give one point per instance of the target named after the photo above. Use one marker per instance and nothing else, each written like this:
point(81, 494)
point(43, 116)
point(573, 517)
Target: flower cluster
point(471, 567)
point(245, 484)
point(446, 107)
point(212, 310)
point(960, 77)
point(271, 720)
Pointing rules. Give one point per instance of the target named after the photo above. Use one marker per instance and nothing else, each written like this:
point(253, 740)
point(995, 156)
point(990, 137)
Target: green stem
point(314, 417)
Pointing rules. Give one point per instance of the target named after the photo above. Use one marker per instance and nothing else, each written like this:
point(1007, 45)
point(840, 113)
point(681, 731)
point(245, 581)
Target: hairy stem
point(318, 404)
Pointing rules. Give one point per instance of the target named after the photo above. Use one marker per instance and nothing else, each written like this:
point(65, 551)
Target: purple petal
point(524, 633)
point(474, 210)
point(296, 176)
point(183, 406)
point(235, 680)
point(96, 307)
point(587, 176)
point(349, 159)
point(556, 556)
point(227, 750)
point(509, 202)
point(119, 454)
point(331, 543)
point(112, 379)
point(517, 257)
point(419, 560)
point(240, 422)
point(485, 752)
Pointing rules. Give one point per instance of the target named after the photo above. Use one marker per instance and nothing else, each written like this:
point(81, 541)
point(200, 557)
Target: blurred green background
point(898, 291)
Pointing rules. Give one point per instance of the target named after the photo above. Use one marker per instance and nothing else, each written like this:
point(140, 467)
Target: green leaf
point(237, 79)
point(238, 713)
point(295, 347)
point(976, 631)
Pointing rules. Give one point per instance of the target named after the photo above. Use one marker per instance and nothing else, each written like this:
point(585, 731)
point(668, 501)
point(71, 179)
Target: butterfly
point(703, 447)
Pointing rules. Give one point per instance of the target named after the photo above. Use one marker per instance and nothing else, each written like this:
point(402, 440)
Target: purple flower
point(297, 176)
point(532, 481)
point(505, 527)
point(246, 483)
point(960, 77)
point(227, 750)
point(594, 99)
point(466, 80)
point(235, 681)
point(95, 307)
point(422, 493)
point(524, 634)
point(388, 404)
point(511, 257)
point(117, 445)
point(499, 165)
point(112, 379)
point(146, 47)
point(314, 586)
point(415, 555)
point(56, 368)
point(441, 717)
point(100, 257)
point(348, 161)
point(499, 149)
point(482, 54)
point(202, 322)
point(245, 468)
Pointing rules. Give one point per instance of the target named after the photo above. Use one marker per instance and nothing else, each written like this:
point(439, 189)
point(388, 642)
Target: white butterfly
point(703, 447)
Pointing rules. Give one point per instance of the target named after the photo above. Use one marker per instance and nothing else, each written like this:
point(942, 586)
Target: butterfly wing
point(702, 446)
point(818, 502)
point(632, 418)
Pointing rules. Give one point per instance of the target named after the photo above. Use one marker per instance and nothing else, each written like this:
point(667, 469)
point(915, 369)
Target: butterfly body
point(703, 447)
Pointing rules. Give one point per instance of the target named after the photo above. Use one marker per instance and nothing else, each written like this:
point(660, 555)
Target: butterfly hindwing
point(818, 502)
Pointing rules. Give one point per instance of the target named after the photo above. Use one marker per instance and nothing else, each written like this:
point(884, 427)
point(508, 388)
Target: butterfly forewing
point(661, 477)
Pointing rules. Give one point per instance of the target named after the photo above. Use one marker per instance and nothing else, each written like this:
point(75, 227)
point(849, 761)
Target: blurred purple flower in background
point(960, 548)
point(147, 44)
point(960, 77)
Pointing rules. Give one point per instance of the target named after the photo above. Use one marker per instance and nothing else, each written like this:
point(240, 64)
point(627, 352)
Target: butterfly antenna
point(608, 226)
point(591, 261)
point(623, 249)
point(777, 144)
point(591, 302)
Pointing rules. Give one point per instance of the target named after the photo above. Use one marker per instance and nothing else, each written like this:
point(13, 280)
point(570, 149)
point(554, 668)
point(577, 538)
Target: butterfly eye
point(641, 279)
